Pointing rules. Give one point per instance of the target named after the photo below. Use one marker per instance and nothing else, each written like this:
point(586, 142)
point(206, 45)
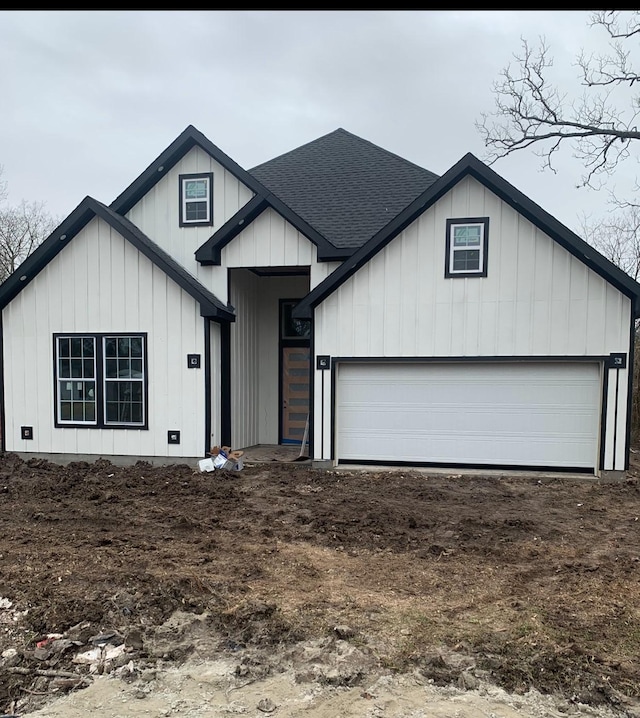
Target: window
point(291, 328)
point(466, 247)
point(100, 381)
point(196, 199)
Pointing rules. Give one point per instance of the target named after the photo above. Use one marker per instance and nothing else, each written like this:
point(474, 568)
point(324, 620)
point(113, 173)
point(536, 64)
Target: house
point(409, 317)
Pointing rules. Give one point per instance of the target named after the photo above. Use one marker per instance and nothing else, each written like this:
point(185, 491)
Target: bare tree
point(617, 238)
point(600, 124)
point(22, 228)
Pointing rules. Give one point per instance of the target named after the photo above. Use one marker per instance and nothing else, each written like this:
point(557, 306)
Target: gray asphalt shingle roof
point(344, 186)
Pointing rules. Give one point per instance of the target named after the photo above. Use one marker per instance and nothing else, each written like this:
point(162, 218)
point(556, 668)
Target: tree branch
point(531, 111)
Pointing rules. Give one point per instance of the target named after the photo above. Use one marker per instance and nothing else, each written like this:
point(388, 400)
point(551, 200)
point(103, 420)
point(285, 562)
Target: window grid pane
point(466, 260)
point(196, 211)
point(76, 380)
point(195, 189)
point(124, 380)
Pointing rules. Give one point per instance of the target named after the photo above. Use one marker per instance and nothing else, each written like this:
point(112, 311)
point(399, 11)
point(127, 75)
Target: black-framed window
point(101, 380)
point(196, 199)
point(467, 243)
point(291, 328)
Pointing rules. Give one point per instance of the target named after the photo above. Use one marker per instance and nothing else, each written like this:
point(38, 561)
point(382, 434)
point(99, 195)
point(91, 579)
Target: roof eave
point(46, 251)
point(210, 253)
point(470, 165)
point(74, 223)
point(187, 139)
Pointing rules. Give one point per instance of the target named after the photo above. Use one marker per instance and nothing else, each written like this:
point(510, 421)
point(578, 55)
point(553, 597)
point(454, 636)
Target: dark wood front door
point(294, 374)
point(295, 393)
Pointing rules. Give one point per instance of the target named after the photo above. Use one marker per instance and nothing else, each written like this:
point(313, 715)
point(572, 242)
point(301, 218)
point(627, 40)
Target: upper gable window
point(196, 199)
point(466, 247)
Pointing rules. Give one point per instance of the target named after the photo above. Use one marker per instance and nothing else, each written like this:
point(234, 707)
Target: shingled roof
point(345, 187)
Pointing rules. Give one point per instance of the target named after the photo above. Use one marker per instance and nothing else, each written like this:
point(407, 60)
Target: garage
point(524, 413)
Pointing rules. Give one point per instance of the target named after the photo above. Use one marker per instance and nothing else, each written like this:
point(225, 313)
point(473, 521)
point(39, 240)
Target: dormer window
point(196, 199)
point(466, 247)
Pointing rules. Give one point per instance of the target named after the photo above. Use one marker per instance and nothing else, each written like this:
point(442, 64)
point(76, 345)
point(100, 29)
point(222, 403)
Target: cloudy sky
point(89, 99)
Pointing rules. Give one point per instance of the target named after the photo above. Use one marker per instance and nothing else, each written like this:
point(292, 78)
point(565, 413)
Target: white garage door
point(509, 414)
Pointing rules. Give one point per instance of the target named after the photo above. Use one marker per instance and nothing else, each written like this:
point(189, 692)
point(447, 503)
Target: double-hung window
point(101, 381)
point(466, 247)
point(196, 199)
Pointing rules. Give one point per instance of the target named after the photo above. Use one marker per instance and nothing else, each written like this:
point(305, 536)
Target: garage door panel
point(512, 414)
point(465, 419)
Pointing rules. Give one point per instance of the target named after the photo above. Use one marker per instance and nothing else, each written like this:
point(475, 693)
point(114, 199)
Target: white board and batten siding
point(268, 241)
point(537, 300)
point(157, 214)
point(100, 283)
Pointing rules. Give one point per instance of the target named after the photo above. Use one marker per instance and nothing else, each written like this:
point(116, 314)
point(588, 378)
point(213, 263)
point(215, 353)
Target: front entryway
point(268, 376)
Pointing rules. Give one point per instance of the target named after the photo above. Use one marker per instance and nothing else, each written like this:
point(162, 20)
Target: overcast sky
point(90, 99)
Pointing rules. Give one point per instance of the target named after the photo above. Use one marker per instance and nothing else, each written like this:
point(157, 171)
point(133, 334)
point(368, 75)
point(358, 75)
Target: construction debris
point(223, 457)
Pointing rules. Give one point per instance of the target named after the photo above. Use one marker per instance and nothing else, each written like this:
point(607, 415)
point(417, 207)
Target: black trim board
point(469, 165)
point(3, 411)
point(207, 386)
point(210, 305)
point(488, 467)
point(631, 363)
point(211, 251)
point(603, 414)
point(225, 385)
point(511, 359)
point(615, 417)
point(312, 384)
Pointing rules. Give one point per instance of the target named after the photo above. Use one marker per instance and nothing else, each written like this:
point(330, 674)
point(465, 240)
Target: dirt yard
point(349, 587)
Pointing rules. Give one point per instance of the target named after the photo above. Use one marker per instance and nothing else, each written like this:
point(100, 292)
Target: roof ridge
point(295, 149)
point(388, 152)
point(341, 130)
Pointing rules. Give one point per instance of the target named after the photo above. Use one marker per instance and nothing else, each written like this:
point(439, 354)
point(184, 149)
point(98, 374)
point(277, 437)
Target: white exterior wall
point(269, 240)
point(244, 360)
point(101, 283)
point(537, 300)
point(157, 213)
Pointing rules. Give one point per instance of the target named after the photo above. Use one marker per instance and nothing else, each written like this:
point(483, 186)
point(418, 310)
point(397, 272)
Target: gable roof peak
point(344, 186)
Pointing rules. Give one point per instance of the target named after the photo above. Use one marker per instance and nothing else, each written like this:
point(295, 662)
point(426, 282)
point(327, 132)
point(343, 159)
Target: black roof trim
point(211, 251)
point(326, 250)
point(189, 138)
point(471, 165)
point(210, 305)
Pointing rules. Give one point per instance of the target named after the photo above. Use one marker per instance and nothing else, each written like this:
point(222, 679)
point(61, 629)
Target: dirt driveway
point(288, 587)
